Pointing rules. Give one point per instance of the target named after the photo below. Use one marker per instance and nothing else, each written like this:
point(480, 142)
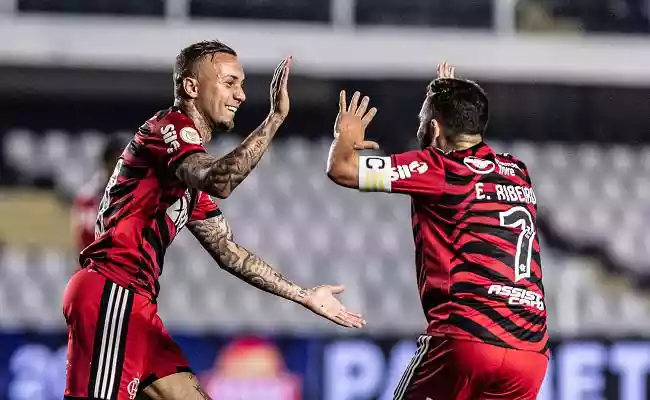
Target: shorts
point(448, 369)
point(117, 343)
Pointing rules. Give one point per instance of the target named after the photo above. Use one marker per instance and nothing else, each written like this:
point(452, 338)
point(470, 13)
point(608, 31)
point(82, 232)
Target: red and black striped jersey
point(477, 254)
point(145, 205)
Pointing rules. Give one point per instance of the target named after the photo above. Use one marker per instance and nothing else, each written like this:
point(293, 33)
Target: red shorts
point(447, 369)
point(117, 343)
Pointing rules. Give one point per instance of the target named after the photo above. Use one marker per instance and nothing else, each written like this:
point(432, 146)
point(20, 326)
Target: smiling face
point(219, 91)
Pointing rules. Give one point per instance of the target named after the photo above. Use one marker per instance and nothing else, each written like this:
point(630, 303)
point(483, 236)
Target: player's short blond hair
point(188, 58)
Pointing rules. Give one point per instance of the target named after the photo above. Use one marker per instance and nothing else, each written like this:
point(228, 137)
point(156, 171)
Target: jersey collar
point(478, 150)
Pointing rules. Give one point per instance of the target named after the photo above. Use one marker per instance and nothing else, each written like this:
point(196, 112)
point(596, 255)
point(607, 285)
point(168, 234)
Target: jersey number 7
point(519, 217)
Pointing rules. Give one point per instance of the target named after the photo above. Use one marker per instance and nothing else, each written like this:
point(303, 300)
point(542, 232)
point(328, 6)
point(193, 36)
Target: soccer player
point(86, 202)
point(477, 255)
point(118, 346)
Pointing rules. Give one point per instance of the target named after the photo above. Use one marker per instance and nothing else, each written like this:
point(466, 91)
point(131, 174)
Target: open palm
point(353, 120)
point(321, 301)
point(279, 93)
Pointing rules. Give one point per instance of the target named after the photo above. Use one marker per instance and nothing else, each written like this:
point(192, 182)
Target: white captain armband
point(375, 174)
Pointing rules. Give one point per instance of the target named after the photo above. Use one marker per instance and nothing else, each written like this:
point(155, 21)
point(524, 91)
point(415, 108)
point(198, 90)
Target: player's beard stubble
point(224, 126)
point(425, 140)
point(218, 126)
point(221, 127)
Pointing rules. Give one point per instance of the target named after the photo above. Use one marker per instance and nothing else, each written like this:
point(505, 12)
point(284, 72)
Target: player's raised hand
point(353, 120)
point(446, 71)
point(279, 94)
point(321, 301)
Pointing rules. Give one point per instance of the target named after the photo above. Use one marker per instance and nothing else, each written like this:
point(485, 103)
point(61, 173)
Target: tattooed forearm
point(219, 177)
point(215, 236)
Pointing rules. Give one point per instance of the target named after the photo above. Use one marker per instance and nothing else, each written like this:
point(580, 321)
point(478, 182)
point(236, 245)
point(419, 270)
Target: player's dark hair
point(460, 104)
point(189, 57)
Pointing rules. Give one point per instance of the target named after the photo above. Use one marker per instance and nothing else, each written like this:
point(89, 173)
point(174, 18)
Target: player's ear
point(434, 129)
point(191, 87)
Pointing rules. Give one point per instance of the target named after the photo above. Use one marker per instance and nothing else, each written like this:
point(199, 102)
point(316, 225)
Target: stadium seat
point(289, 213)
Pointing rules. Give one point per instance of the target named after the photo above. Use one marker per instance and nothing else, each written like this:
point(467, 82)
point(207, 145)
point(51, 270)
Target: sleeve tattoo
point(215, 236)
point(220, 176)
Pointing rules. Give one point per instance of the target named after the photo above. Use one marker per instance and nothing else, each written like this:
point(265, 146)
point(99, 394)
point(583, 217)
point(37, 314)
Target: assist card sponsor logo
point(518, 296)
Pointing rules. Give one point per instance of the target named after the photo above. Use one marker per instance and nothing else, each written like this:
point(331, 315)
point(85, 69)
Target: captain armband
point(375, 174)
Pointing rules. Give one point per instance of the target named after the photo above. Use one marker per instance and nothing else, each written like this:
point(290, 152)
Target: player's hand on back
point(321, 301)
point(353, 120)
point(446, 71)
point(279, 94)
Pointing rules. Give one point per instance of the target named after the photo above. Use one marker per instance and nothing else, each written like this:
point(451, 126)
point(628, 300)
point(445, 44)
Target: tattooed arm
point(215, 236)
point(220, 176)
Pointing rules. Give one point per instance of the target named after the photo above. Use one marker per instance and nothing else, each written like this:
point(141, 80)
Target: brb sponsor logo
point(518, 296)
point(478, 165)
point(397, 172)
point(379, 172)
point(406, 171)
point(170, 138)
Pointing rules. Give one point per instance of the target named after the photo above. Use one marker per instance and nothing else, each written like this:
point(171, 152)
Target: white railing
point(45, 39)
point(342, 12)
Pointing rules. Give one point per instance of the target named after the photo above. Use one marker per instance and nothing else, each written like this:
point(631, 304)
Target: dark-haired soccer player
point(477, 254)
point(118, 346)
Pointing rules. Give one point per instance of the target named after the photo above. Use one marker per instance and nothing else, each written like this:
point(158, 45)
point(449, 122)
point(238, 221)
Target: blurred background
point(569, 82)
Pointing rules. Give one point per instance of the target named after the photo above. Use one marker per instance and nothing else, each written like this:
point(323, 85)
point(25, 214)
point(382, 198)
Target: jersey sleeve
point(205, 208)
point(172, 140)
point(418, 172)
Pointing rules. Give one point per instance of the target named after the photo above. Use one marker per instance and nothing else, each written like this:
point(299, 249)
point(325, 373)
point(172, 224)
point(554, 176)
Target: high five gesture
point(353, 120)
point(279, 94)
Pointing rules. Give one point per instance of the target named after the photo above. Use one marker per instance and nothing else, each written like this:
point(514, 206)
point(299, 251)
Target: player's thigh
point(107, 349)
point(168, 375)
point(178, 386)
point(444, 369)
point(519, 378)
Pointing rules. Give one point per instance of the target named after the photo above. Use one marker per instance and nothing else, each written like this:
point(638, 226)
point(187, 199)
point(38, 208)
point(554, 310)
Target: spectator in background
point(86, 202)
